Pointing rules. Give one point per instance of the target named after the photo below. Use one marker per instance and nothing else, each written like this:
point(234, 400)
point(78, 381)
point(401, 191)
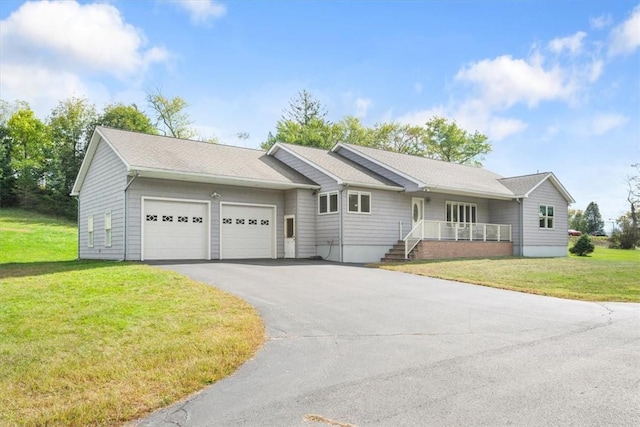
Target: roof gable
point(157, 156)
point(435, 175)
point(523, 186)
point(339, 168)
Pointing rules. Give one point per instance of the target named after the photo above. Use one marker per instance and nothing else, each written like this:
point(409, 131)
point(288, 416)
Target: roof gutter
point(220, 179)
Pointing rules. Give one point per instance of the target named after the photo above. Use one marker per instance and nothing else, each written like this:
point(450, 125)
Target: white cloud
point(52, 49)
point(603, 123)
point(67, 35)
point(504, 81)
point(573, 43)
point(595, 70)
point(201, 11)
point(625, 38)
point(472, 116)
point(600, 22)
point(362, 106)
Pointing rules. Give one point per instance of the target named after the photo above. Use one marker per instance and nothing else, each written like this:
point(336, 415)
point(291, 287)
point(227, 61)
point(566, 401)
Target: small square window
point(264, 222)
point(328, 202)
point(227, 221)
point(167, 218)
point(183, 219)
point(197, 220)
point(152, 218)
point(239, 221)
point(359, 202)
point(253, 222)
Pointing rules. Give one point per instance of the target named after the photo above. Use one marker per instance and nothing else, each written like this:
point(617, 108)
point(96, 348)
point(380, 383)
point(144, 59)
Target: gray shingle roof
point(521, 185)
point(339, 166)
point(161, 153)
point(437, 175)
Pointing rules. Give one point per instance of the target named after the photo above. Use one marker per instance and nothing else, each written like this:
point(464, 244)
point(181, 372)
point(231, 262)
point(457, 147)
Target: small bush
point(583, 246)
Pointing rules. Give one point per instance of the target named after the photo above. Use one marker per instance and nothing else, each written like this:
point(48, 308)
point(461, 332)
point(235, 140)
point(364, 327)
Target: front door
point(417, 215)
point(289, 236)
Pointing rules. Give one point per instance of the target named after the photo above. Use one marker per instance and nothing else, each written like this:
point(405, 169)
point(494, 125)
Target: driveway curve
point(366, 347)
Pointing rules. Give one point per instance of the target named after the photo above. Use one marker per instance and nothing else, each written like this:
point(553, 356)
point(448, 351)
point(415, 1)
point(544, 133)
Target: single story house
point(149, 197)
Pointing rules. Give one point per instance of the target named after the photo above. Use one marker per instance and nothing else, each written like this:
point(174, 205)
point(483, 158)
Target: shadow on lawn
point(24, 269)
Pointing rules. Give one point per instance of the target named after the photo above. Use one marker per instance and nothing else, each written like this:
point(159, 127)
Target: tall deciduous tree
point(126, 117)
point(576, 220)
point(171, 117)
point(447, 141)
point(592, 218)
point(71, 123)
point(31, 153)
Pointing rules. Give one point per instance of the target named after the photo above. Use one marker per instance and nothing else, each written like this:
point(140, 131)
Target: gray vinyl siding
point(197, 191)
point(327, 226)
point(381, 226)
point(382, 171)
point(305, 223)
point(102, 191)
point(507, 212)
point(545, 194)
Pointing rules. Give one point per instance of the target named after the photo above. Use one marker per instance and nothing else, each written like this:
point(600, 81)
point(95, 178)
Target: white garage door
point(247, 232)
point(175, 230)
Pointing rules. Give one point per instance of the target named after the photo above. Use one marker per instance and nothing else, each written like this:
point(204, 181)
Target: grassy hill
point(102, 343)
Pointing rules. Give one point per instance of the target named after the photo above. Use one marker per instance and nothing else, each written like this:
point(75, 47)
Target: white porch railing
point(441, 230)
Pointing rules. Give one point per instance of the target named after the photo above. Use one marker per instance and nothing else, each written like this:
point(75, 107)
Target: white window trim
point(328, 195)
point(108, 230)
point(90, 235)
point(546, 217)
point(359, 194)
point(447, 208)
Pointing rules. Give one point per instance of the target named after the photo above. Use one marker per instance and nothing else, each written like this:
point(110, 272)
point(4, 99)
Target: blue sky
point(554, 84)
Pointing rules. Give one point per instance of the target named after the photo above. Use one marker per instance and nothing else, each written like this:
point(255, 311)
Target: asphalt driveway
point(369, 347)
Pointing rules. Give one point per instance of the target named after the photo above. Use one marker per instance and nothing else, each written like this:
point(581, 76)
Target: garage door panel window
point(175, 229)
point(247, 231)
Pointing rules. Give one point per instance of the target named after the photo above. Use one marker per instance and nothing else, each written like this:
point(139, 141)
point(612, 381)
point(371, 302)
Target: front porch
point(442, 239)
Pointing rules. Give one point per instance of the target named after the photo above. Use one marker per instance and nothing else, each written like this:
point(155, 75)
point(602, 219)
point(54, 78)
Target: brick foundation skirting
point(434, 249)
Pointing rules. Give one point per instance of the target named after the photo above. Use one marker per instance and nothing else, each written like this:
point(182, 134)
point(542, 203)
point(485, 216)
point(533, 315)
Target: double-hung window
point(546, 216)
point(359, 202)
point(461, 213)
point(90, 230)
point(328, 202)
point(107, 229)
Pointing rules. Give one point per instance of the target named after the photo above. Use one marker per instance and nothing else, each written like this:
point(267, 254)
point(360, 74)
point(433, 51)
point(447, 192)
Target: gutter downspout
point(126, 215)
point(521, 226)
point(78, 214)
point(341, 225)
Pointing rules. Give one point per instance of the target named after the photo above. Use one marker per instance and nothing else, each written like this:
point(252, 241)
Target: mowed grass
point(605, 275)
point(103, 343)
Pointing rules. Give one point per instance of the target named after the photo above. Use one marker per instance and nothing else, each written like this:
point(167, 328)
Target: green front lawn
point(605, 275)
point(102, 343)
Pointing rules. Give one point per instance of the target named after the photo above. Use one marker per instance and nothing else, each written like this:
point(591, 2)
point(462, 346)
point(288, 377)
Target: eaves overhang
point(173, 175)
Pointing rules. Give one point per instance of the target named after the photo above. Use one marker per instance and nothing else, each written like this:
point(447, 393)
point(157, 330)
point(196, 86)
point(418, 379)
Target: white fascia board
point(556, 183)
point(340, 146)
point(88, 158)
point(458, 192)
point(374, 186)
point(277, 146)
point(219, 179)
